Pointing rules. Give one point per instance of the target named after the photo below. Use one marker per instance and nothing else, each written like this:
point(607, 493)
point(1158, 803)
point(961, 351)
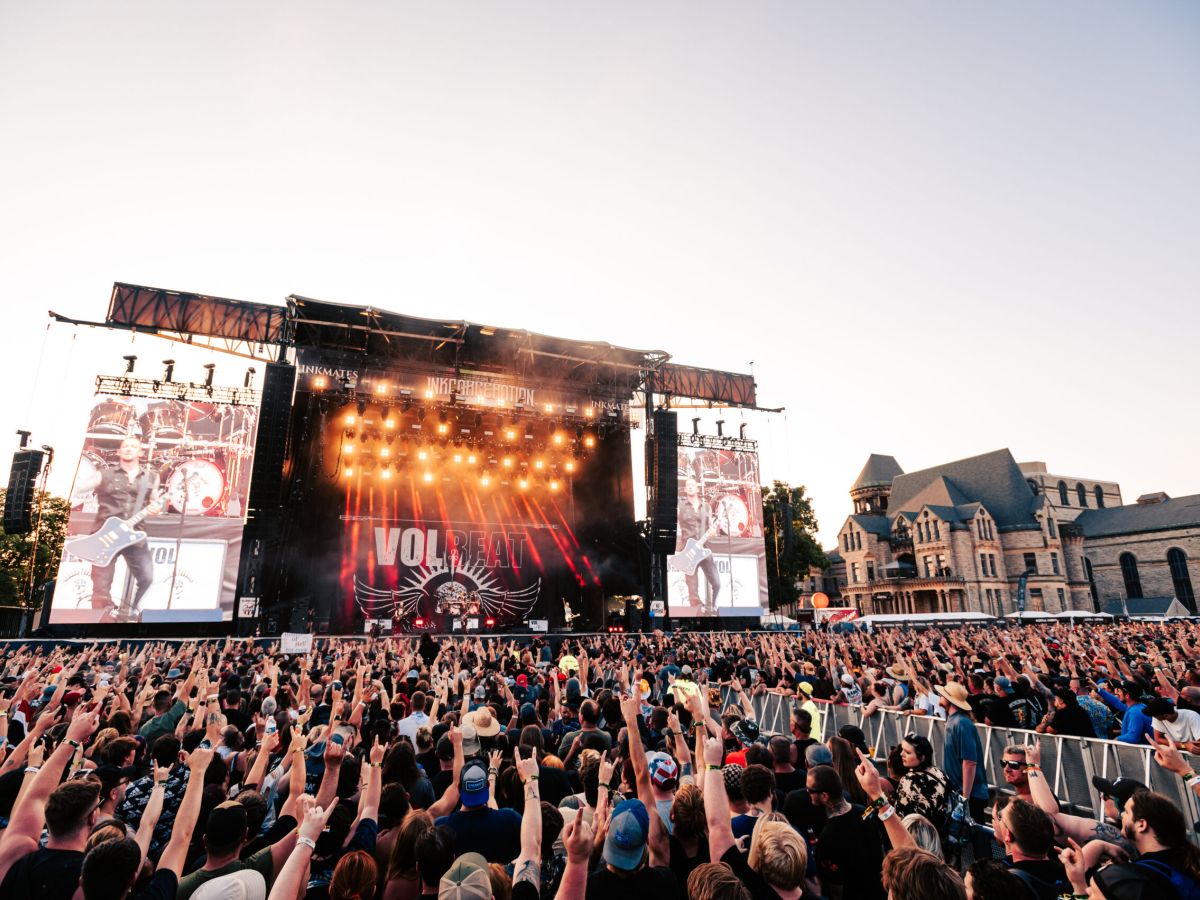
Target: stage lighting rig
point(129, 361)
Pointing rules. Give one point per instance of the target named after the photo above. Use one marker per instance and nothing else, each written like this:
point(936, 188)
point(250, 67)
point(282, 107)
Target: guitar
point(102, 547)
point(693, 553)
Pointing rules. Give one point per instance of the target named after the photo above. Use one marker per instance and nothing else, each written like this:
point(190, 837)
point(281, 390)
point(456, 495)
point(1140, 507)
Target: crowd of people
point(606, 766)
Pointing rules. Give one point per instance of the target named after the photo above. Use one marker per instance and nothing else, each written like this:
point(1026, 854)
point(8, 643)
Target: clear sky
point(936, 228)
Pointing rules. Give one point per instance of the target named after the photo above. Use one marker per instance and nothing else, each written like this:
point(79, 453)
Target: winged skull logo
point(453, 591)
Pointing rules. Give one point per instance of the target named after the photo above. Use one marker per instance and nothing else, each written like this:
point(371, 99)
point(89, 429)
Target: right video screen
point(719, 567)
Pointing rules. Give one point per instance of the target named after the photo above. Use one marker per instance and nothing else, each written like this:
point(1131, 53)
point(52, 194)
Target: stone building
point(1147, 550)
point(959, 537)
point(1069, 495)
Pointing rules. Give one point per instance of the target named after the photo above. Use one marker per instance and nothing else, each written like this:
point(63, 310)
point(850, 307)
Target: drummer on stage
point(121, 491)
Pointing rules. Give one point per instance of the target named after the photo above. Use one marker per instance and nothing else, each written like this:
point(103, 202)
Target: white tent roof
point(1081, 614)
point(916, 618)
point(1030, 614)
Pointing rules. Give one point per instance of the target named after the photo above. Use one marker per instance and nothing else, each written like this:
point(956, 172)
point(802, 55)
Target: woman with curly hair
point(924, 789)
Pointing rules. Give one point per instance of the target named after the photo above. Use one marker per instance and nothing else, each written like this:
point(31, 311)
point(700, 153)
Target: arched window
point(1064, 498)
point(1081, 491)
point(1177, 562)
point(1087, 567)
point(1129, 571)
point(1099, 494)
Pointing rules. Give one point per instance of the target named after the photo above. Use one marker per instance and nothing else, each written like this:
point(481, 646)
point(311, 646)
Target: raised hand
point(527, 768)
point(868, 776)
point(714, 752)
point(198, 760)
point(377, 751)
point(577, 838)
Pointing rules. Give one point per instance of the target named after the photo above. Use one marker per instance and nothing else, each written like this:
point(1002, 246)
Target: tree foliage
point(790, 551)
point(16, 550)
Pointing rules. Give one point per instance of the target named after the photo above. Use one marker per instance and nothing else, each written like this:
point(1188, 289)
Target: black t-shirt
point(43, 874)
point(440, 781)
point(804, 815)
point(163, 886)
point(648, 883)
point(553, 785)
point(786, 782)
point(849, 852)
point(682, 864)
point(1051, 877)
point(1074, 721)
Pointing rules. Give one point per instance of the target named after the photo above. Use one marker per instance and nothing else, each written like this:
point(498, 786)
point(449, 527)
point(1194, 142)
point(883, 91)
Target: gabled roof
point(968, 511)
point(1180, 512)
point(945, 513)
point(992, 479)
point(878, 472)
point(1147, 606)
point(878, 525)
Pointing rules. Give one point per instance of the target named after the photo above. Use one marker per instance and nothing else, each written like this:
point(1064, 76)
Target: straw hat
point(955, 693)
point(900, 673)
point(485, 723)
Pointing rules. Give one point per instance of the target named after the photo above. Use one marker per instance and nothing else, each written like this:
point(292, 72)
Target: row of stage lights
point(461, 446)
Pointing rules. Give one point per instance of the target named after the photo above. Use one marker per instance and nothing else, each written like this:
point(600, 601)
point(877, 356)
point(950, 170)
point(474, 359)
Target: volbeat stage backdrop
point(417, 527)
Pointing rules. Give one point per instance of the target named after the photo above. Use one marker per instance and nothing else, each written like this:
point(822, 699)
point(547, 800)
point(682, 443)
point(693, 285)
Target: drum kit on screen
point(202, 452)
point(726, 482)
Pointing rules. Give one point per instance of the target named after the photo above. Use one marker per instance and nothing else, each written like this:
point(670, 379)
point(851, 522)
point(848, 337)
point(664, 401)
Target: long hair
point(1169, 827)
point(402, 862)
point(687, 813)
point(354, 877)
point(924, 834)
point(845, 761)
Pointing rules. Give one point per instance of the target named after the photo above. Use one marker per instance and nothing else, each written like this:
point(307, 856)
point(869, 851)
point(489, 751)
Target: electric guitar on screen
point(693, 553)
point(114, 536)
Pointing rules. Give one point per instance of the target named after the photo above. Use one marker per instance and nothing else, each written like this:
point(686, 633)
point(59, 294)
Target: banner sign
point(832, 614)
point(290, 642)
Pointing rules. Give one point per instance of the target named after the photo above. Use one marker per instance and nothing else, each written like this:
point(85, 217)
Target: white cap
point(246, 884)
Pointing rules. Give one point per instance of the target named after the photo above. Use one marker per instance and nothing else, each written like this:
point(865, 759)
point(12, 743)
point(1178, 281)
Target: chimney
point(1150, 499)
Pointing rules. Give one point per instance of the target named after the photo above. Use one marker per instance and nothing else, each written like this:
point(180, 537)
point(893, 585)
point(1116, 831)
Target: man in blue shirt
point(1135, 724)
point(493, 833)
point(962, 759)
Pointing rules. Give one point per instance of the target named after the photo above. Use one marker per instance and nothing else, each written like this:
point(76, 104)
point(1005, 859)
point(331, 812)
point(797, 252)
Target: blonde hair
point(924, 834)
point(715, 881)
point(778, 853)
point(687, 813)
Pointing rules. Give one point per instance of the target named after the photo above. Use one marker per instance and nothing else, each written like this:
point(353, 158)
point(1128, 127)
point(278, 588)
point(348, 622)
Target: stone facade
point(958, 538)
point(1070, 495)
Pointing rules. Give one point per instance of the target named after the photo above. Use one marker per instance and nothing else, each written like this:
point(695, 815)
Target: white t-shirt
point(409, 724)
point(1186, 728)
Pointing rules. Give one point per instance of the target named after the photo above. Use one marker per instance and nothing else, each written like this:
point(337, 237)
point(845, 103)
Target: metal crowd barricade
point(1067, 762)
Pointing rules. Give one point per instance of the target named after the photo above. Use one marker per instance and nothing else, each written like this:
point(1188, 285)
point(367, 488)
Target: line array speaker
point(663, 460)
point(22, 483)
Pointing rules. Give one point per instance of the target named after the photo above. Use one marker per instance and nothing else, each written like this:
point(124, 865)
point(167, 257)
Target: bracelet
point(886, 813)
point(307, 842)
point(374, 765)
point(1188, 776)
point(163, 782)
point(31, 770)
point(493, 772)
point(1029, 767)
point(711, 768)
point(76, 744)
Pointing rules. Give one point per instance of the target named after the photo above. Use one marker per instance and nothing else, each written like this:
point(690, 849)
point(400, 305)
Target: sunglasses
point(1011, 764)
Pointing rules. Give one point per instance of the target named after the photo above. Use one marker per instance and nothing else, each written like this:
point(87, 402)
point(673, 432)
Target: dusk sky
point(936, 229)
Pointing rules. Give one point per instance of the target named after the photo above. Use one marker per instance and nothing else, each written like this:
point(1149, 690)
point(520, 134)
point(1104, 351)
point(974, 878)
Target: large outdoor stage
point(402, 473)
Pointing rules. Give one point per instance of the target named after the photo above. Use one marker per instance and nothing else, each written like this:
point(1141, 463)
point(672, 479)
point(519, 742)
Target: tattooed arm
point(528, 866)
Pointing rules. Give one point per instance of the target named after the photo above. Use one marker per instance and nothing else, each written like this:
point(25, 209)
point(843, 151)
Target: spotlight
point(320, 382)
point(422, 455)
point(350, 420)
point(129, 361)
point(349, 448)
point(485, 481)
point(558, 438)
point(428, 477)
point(589, 412)
point(381, 388)
point(471, 459)
point(549, 407)
point(387, 473)
point(489, 622)
point(554, 485)
point(523, 484)
point(569, 466)
point(589, 441)
point(458, 457)
point(442, 428)
point(170, 373)
point(510, 435)
point(419, 622)
point(209, 369)
point(349, 471)
point(249, 377)
point(385, 452)
point(508, 463)
point(539, 465)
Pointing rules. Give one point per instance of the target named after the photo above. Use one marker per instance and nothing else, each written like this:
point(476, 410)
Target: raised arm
point(868, 778)
point(291, 877)
point(716, 803)
point(577, 837)
point(448, 802)
point(153, 810)
point(659, 848)
point(175, 853)
point(528, 866)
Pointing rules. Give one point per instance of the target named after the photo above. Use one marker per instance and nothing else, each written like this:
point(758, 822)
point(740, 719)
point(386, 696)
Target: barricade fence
point(1068, 763)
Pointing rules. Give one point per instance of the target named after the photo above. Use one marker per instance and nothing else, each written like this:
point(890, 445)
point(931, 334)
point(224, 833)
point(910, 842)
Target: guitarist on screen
point(695, 521)
point(123, 490)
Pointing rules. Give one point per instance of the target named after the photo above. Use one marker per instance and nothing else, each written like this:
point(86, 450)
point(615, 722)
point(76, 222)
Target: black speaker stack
point(264, 506)
point(22, 485)
point(662, 461)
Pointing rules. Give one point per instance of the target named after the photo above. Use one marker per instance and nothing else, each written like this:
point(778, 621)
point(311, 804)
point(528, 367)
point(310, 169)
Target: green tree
point(16, 551)
point(787, 565)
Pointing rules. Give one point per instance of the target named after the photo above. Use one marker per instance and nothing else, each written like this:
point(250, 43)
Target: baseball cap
point(1119, 789)
point(466, 879)
point(686, 670)
point(663, 769)
point(806, 687)
point(473, 785)
point(246, 884)
point(746, 731)
point(226, 824)
point(470, 740)
point(523, 680)
point(1004, 684)
point(445, 748)
point(413, 674)
point(627, 833)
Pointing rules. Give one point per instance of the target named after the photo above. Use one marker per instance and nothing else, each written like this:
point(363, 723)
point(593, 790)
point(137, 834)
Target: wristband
point(711, 768)
point(76, 744)
point(493, 772)
point(374, 765)
point(886, 813)
point(1029, 767)
point(307, 842)
point(31, 770)
point(163, 782)
point(1188, 776)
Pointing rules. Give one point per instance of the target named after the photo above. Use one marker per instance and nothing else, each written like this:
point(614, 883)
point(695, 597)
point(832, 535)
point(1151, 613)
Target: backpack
point(1041, 889)
point(1183, 884)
